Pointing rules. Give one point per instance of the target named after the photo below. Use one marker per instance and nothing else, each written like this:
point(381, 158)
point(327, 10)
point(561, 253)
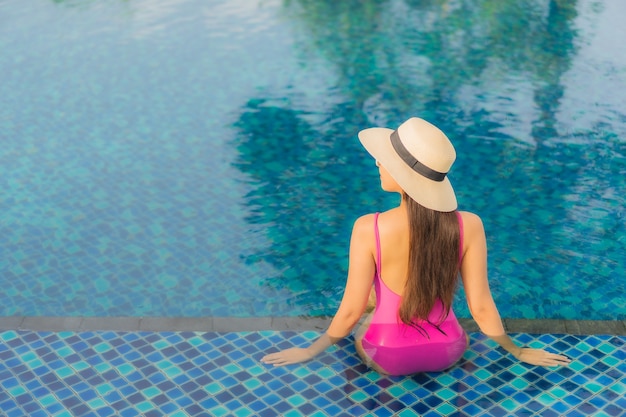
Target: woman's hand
point(288, 357)
point(542, 357)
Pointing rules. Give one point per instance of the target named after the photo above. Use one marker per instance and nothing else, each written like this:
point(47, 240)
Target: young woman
point(412, 255)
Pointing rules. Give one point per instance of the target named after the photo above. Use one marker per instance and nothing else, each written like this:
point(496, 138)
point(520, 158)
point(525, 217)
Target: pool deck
point(233, 324)
point(129, 366)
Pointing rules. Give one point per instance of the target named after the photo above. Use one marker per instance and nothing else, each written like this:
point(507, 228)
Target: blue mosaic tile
point(148, 374)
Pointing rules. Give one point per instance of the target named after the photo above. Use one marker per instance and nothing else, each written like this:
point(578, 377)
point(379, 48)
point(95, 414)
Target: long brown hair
point(433, 262)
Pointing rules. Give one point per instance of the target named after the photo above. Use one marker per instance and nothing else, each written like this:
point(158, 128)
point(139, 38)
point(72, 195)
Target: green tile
point(610, 361)
point(164, 364)
point(374, 376)
point(446, 380)
point(396, 391)
point(48, 400)
point(509, 405)
point(583, 346)
point(102, 347)
point(256, 370)
point(243, 412)
point(213, 388)
point(96, 403)
point(151, 392)
point(483, 374)
point(252, 383)
point(65, 351)
point(446, 394)
point(445, 409)
point(161, 344)
point(594, 387)
point(409, 385)
point(125, 369)
point(145, 406)
point(358, 396)
point(178, 414)
point(606, 348)
point(102, 367)
point(64, 372)
point(470, 355)
point(28, 356)
point(296, 400)
point(558, 392)
point(326, 373)
point(518, 369)
point(16, 391)
point(218, 411)
point(79, 366)
point(196, 341)
point(172, 371)
point(519, 383)
point(546, 399)
point(104, 389)
point(618, 388)
point(231, 368)
point(35, 363)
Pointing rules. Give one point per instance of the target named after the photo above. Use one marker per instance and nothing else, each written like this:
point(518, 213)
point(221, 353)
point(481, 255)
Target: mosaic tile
point(195, 374)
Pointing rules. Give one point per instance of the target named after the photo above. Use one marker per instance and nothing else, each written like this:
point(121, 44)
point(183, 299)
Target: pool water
point(199, 158)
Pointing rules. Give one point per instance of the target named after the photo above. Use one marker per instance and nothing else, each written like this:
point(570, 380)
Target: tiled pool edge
point(238, 324)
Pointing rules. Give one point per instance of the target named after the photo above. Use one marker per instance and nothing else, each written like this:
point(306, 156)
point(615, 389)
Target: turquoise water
point(197, 158)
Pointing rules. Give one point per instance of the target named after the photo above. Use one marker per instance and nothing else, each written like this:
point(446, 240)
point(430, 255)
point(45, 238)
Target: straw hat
point(418, 156)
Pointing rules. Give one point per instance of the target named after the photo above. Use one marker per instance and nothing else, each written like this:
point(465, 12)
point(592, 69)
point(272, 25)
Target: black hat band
point(410, 160)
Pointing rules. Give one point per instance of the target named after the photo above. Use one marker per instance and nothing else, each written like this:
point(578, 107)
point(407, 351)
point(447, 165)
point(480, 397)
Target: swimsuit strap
point(458, 216)
point(378, 256)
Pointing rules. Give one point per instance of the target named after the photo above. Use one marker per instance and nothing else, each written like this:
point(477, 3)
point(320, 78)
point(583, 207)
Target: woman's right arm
point(480, 301)
point(359, 283)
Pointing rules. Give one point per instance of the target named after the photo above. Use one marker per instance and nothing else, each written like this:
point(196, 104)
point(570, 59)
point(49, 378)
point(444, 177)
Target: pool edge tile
point(243, 324)
point(11, 322)
point(110, 323)
point(194, 324)
point(41, 323)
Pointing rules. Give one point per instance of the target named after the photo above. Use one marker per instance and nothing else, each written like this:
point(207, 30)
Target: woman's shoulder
point(471, 219)
point(363, 232)
point(365, 221)
point(472, 224)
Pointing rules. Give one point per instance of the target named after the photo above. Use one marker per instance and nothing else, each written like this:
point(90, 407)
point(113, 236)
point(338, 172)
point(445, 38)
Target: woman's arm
point(480, 301)
point(360, 278)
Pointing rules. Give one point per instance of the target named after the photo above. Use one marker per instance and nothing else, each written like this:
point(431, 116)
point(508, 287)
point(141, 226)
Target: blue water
point(199, 158)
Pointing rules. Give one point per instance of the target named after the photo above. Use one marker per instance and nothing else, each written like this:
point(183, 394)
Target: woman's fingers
point(287, 357)
point(543, 358)
point(272, 358)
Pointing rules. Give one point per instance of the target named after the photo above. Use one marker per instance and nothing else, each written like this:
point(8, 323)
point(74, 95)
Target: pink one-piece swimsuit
point(400, 349)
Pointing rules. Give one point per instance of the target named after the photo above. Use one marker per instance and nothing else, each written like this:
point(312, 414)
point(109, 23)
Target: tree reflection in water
point(459, 64)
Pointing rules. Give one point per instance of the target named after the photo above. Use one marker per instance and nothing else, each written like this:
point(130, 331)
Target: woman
point(412, 255)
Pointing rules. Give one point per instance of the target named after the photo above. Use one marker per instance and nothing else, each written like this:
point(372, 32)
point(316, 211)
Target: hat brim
point(435, 195)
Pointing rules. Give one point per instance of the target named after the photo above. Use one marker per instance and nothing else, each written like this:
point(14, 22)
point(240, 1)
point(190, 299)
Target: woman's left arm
point(360, 278)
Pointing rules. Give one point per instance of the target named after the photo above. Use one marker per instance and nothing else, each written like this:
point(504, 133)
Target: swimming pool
point(199, 158)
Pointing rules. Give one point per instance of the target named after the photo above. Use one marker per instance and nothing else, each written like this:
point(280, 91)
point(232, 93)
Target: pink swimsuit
point(400, 349)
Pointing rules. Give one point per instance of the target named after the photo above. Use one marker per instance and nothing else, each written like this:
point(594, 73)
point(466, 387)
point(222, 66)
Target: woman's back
point(394, 247)
point(393, 346)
